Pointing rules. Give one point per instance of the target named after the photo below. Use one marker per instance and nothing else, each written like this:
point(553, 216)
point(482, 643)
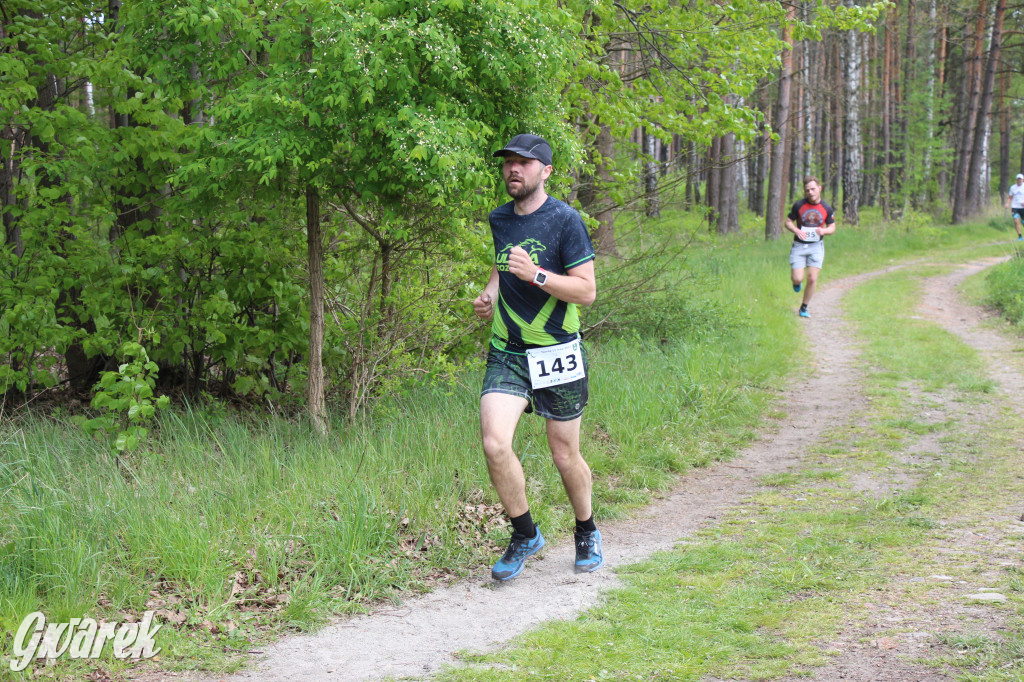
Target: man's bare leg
point(812, 282)
point(499, 415)
point(564, 441)
point(798, 278)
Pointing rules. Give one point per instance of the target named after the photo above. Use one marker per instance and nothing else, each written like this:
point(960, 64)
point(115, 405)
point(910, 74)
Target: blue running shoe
point(511, 563)
point(803, 311)
point(1020, 237)
point(796, 287)
point(588, 551)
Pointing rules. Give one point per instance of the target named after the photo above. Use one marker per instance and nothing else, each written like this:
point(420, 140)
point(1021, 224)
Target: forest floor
point(910, 618)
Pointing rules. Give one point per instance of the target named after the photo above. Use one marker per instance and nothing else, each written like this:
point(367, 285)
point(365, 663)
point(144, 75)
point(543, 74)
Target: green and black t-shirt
point(557, 240)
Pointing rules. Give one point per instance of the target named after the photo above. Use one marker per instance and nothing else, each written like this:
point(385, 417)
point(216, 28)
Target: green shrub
point(1006, 288)
point(126, 401)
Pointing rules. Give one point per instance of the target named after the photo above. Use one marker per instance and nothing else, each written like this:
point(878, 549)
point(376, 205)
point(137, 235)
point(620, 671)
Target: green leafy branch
point(126, 400)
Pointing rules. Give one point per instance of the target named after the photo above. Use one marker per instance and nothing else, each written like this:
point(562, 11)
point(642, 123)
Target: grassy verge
point(237, 527)
point(1005, 288)
point(765, 593)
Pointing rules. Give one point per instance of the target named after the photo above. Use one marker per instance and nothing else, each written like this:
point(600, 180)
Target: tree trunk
point(977, 193)
point(713, 190)
point(651, 175)
point(776, 179)
point(933, 64)
point(13, 139)
point(905, 161)
point(961, 207)
point(604, 148)
point(315, 250)
point(751, 162)
point(728, 197)
point(1004, 134)
point(851, 129)
point(838, 113)
point(942, 175)
point(691, 174)
point(809, 106)
point(887, 106)
point(761, 158)
point(792, 161)
point(1021, 166)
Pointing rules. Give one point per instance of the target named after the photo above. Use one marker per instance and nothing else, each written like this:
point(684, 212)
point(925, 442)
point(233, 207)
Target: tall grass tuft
point(1005, 288)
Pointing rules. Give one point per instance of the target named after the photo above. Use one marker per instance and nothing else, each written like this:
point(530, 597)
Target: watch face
point(540, 277)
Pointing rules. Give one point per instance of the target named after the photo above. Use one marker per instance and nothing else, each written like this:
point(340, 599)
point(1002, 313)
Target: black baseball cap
point(530, 146)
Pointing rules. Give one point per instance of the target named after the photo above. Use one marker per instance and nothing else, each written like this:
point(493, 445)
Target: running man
point(1015, 202)
point(809, 220)
point(543, 270)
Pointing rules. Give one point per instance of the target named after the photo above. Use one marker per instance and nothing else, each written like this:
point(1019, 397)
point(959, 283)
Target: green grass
point(1004, 290)
point(909, 347)
point(252, 524)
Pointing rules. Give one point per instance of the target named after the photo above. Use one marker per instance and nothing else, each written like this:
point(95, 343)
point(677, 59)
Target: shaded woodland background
point(286, 203)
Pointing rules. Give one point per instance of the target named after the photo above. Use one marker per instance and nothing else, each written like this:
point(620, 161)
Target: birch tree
point(776, 179)
point(977, 187)
point(851, 127)
point(962, 178)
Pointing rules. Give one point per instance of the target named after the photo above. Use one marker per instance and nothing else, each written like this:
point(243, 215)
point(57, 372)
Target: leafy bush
point(126, 401)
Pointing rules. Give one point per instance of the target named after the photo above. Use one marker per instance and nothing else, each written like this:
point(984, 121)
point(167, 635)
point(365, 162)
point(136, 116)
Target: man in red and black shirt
point(809, 220)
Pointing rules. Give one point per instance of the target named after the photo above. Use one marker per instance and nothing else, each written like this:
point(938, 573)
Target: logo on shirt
point(811, 217)
point(531, 246)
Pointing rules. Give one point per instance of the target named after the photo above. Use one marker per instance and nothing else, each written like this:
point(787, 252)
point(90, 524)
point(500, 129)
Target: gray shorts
point(807, 255)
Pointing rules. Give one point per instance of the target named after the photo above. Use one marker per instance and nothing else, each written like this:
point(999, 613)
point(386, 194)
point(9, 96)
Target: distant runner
point(809, 220)
point(1015, 202)
point(543, 269)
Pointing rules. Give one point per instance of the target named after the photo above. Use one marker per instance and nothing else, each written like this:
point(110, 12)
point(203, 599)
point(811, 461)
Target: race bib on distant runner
point(812, 234)
point(554, 365)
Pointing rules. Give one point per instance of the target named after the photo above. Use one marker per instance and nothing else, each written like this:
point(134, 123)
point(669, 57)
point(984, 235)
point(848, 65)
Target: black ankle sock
point(587, 526)
point(524, 525)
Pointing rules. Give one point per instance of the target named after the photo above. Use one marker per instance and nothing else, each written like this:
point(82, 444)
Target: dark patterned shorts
point(508, 373)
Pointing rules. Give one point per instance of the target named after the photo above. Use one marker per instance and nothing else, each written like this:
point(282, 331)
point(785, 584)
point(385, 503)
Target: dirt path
point(897, 629)
point(425, 633)
point(941, 305)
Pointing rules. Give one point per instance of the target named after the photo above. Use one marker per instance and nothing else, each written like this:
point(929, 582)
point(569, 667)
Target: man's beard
point(525, 190)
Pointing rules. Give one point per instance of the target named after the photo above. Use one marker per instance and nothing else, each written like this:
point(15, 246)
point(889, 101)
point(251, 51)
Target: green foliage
point(162, 186)
point(686, 73)
point(126, 401)
point(1005, 287)
point(639, 302)
point(410, 96)
point(187, 216)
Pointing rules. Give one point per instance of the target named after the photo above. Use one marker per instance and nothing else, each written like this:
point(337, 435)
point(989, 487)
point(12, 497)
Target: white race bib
point(812, 234)
point(554, 365)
